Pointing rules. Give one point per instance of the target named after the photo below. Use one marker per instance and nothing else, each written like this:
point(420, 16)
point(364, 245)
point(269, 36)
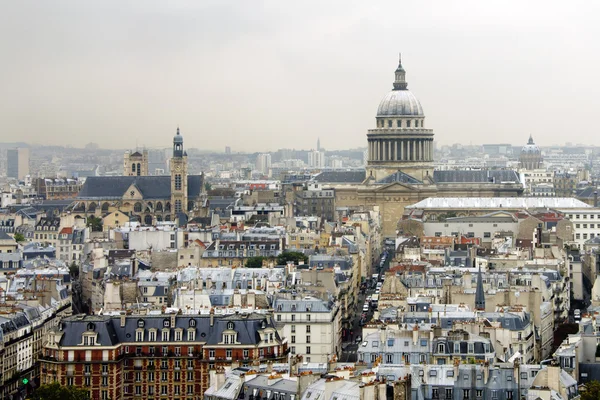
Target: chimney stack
point(212, 316)
point(123, 320)
point(595, 198)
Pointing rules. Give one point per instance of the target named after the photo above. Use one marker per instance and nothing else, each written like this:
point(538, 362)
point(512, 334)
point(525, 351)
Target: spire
point(479, 295)
point(530, 140)
point(178, 129)
point(400, 75)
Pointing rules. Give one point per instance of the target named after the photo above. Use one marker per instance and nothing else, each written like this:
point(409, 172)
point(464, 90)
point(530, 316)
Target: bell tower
point(179, 172)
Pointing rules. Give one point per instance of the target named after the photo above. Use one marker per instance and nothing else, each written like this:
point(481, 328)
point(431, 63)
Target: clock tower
point(179, 177)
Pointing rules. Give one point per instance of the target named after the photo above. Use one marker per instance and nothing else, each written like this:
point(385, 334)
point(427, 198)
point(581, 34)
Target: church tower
point(179, 177)
point(136, 163)
point(479, 293)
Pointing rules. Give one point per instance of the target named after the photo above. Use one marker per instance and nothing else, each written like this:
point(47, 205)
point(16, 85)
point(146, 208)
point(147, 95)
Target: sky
point(263, 75)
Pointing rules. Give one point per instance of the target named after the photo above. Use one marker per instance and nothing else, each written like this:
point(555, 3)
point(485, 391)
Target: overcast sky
point(265, 75)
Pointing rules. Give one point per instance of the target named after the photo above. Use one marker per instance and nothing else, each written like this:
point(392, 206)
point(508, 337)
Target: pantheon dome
point(400, 140)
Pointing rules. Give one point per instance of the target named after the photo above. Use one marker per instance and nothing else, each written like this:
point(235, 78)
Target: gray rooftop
point(151, 187)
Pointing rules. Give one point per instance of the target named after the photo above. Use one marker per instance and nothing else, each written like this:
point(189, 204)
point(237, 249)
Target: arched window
point(133, 167)
point(139, 169)
point(92, 207)
point(137, 207)
point(168, 207)
point(105, 207)
point(148, 220)
point(159, 207)
point(178, 182)
point(399, 123)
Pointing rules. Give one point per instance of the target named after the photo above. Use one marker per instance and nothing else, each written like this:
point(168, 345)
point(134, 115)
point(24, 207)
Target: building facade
point(136, 163)
point(143, 356)
point(17, 163)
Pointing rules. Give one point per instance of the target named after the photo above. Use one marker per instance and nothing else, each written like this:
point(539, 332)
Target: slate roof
point(308, 304)
point(484, 176)
point(341, 176)
point(400, 177)
point(151, 187)
point(586, 193)
point(110, 332)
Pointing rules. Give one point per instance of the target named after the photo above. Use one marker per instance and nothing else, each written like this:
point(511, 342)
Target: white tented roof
point(499, 202)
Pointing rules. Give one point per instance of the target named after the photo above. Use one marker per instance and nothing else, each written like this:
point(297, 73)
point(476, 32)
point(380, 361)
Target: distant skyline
point(258, 76)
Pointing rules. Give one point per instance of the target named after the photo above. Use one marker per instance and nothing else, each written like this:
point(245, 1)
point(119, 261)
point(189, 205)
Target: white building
point(586, 223)
point(316, 159)
point(263, 163)
point(312, 327)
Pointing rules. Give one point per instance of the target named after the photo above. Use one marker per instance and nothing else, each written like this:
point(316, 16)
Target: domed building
point(531, 155)
point(400, 140)
point(399, 166)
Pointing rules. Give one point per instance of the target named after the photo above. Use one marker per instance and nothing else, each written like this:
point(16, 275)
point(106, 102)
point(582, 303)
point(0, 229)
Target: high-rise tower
point(179, 177)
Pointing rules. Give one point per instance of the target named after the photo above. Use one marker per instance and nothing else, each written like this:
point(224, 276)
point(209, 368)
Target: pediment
point(133, 192)
point(396, 187)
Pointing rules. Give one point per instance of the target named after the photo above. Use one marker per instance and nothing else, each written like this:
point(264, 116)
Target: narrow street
point(349, 348)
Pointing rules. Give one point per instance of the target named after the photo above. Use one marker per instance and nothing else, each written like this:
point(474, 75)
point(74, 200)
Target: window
point(449, 392)
point(307, 339)
point(307, 328)
point(308, 318)
point(435, 394)
point(245, 353)
point(479, 393)
point(487, 235)
point(408, 124)
point(278, 317)
point(177, 182)
point(177, 206)
point(293, 317)
point(293, 339)
point(423, 342)
point(293, 328)
point(399, 123)
point(152, 336)
point(307, 349)
point(466, 393)
point(228, 353)
point(389, 123)
point(509, 394)
point(139, 336)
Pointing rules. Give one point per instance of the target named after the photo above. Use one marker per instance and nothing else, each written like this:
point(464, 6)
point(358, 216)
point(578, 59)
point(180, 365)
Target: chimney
point(173, 316)
point(212, 317)
point(415, 334)
point(123, 320)
point(486, 371)
point(595, 198)
point(251, 300)
point(382, 388)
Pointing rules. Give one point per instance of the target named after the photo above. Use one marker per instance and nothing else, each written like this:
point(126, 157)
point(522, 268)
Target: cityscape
point(393, 266)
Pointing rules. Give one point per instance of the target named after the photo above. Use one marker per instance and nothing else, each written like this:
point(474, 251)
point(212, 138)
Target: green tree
point(254, 262)
point(95, 223)
point(55, 391)
point(294, 256)
point(19, 237)
point(207, 187)
point(74, 270)
point(591, 391)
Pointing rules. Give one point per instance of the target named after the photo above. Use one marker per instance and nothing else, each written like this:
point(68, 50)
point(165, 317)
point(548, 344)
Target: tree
point(55, 391)
point(207, 187)
point(254, 262)
point(95, 223)
point(74, 270)
point(592, 391)
point(19, 237)
point(294, 256)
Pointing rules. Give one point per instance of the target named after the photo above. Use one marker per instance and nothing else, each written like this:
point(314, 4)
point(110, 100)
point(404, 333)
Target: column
point(393, 152)
point(421, 147)
point(380, 156)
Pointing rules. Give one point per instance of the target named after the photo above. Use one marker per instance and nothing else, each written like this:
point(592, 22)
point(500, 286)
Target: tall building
point(400, 140)
point(263, 163)
point(179, 173)
point(316, 159)
point(17, 163)
point(227, 150)
point(136, 163)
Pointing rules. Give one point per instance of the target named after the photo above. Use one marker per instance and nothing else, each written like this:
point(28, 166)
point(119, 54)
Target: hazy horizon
point(258, 76)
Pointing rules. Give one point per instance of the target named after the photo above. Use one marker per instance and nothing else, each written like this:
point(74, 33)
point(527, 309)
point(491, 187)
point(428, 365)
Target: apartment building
point(312, 327)
point(148, 356)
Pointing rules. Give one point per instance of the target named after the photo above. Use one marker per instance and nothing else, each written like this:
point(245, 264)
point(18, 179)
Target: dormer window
point(192, 323)
point(191, 335)
point(230, 325)
point(139, 335)
point(165, 335)
point(166, 323)
point(140, 322)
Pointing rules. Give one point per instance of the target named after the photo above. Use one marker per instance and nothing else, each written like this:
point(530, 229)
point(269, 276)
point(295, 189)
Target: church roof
point(483, 176)
point(341, 176)
point(151, 187)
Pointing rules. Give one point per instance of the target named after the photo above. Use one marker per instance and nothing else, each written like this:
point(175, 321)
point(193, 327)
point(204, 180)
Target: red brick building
point(155, 356)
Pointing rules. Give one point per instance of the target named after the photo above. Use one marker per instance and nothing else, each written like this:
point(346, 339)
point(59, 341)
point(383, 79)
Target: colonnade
point(401, 150)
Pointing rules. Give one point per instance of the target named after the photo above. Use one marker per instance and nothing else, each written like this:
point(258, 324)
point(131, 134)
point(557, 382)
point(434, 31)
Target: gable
point(133, 192)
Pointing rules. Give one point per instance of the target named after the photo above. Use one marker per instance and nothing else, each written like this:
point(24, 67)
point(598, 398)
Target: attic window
point(91, 326)
point(166, 323)
point(230, 325)
point(192, 323)
point(140, 323)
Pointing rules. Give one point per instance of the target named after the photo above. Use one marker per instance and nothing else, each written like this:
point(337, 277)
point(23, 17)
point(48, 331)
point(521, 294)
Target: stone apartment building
point(312, 327)
point(147, 356)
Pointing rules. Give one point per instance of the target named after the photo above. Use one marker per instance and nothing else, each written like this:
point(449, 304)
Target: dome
point(530, 147)
point(400, 103)
point(178, 138)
